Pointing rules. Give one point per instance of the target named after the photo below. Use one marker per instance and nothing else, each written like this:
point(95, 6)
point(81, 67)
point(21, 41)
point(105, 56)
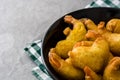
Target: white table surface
point(21, 22)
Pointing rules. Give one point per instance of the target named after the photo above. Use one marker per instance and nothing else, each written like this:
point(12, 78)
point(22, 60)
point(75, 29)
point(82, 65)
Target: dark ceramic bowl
point(55, 32)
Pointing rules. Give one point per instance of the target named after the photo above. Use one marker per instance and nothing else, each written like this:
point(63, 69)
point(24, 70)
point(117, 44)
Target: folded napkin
point(34, 49)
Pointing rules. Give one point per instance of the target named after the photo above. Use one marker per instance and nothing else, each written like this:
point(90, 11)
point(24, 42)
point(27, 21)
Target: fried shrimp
point(89, 52)
point(94, 56)
point(91, 75)
point(112, 71)
point(72, 36)
point(112, 38)
point(113, 25)
point(64, 67)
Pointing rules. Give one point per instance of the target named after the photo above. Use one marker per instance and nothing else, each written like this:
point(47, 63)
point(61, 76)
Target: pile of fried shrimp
point(89, 52)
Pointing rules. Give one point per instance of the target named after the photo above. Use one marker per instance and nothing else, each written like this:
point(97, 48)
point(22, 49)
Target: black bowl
point(55, 32)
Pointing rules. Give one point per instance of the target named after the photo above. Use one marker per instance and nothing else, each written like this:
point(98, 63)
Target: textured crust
point(89, 50)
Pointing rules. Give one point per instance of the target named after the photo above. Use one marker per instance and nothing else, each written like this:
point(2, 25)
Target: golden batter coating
point(113, 25)
point(94, 56)
point(65, 67)
point(72, 36)
point(112, 38)
point(91, 75)
point(89, 52)
point(112, 71)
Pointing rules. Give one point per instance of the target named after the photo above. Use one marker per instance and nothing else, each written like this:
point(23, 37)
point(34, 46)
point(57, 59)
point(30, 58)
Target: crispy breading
point(76, 34)
point(112, 71)
point(113, 25)
point(94, 56)
point(91, 75)
point(65, 67)
point(112, 38)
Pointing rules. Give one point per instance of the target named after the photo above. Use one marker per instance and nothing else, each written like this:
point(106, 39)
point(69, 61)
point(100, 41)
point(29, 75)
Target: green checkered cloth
point(34, 49)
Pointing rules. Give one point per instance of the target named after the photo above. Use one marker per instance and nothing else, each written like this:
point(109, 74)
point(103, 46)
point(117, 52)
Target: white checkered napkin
point(104, 3)
point(34, 49)
point(40, 75)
